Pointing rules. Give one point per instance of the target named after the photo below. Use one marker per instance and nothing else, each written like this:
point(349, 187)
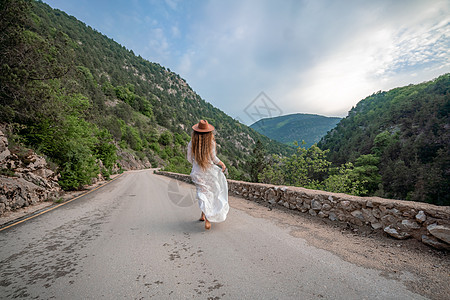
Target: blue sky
point(306, 56)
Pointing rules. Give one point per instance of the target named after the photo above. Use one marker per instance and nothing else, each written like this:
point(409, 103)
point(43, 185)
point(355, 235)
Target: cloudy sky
point(308, 56)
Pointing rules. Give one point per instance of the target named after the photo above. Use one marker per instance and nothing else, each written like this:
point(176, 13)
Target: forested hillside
point(296, 128)
point(86, 102)
point(89, 105)
point(393, 144)
point(408, 130)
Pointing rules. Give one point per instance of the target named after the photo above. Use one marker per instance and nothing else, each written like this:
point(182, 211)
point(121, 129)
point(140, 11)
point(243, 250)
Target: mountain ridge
point(60, 76)
point(407, 129)
point(296, 127)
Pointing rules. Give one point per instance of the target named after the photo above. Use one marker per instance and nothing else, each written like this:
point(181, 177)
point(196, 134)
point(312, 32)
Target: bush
point(346, 181)
point(79, 169)
point(105, 150)
point(166, 138)
point(132, 137)
point(155, 147)
point(178, 164)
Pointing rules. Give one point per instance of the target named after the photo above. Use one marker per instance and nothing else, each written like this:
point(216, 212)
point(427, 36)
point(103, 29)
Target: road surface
point(138, 238)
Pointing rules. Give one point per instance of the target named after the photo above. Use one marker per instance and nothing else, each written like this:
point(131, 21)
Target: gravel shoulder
point(395, 259)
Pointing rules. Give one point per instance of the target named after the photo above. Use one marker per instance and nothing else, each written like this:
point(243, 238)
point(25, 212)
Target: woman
point(210, 182)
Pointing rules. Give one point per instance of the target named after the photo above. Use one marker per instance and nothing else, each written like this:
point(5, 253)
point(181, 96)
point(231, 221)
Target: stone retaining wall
point(400, 219)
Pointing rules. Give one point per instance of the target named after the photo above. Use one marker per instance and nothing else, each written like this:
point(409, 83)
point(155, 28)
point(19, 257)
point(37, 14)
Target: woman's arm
point(216, 160)
point(189, 153)
point(222, 165)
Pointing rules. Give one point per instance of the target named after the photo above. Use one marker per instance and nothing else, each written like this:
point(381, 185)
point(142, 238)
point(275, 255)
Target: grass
point(7, 172)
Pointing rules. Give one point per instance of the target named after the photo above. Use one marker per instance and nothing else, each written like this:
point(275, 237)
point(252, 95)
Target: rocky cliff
point(25, 178)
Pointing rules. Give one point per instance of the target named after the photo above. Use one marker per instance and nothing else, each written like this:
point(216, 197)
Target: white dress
point(212, 187)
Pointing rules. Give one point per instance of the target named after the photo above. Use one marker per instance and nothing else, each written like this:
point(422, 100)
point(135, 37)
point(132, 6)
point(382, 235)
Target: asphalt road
point(138, 238)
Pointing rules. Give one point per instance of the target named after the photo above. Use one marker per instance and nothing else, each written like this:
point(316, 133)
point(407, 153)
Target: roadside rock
point(410, 224)
point(394, 232)
point(421, 217)
point(440, 231)
point(434, 242)
point(4, 151)
point(316, 205)
point(28, 179)
point(129, 162)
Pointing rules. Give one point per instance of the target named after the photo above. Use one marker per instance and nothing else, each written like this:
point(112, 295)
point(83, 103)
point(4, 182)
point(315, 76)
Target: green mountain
point(408, 129)
point(296, 127)
point(90, 105)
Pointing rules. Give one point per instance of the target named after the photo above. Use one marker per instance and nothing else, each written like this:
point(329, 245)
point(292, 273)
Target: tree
point(257, 161)
point(306, 168)
point(273, 172)
point(166, 138)
point(345, 181)
point(366, 171)
point(27, 60)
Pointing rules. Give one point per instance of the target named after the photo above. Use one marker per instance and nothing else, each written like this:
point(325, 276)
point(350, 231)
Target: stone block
point(342, 217)
point(346, 205)
point(358, 214)
point(366, 212)
point(409, 213)
point(434, 242)
point(411, 225)
point(394, 211)
point(396, 233)
point(326, 207)
point(316, 205)
point(376, 213)
point(441, 232)
point(332, 216)
point(421, 217)
point(356, 221)
point(322, 214)
point(376, 226)
point(388, 219)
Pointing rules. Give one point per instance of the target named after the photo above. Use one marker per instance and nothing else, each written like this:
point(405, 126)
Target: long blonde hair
point(202, 143)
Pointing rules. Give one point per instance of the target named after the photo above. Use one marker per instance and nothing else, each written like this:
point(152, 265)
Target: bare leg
point(202, 218)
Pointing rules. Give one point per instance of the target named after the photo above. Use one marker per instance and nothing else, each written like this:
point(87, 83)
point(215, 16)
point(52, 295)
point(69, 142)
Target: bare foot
point(207, 224)
point(202, 218)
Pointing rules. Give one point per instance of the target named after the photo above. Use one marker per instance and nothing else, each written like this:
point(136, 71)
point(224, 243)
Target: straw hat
point(203, 126)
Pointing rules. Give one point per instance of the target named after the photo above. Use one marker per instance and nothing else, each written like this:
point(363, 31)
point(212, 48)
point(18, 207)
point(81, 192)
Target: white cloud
point(172, 4)
point(176, 32)
point(379, 58)
point(314, 56)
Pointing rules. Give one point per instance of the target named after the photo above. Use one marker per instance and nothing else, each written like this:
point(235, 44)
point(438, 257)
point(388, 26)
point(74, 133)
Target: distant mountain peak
point(296, 127)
